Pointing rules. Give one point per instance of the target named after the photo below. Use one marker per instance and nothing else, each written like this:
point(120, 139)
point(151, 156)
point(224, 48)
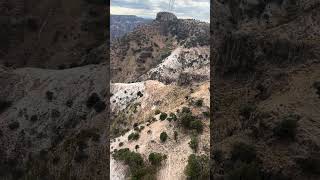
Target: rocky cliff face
point(266, 56)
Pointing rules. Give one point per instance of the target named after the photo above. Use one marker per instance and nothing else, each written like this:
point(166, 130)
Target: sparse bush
point(92, 100)
point(135, 162)
point(197, 167)
point(163, 116)
point(139, 94)
point(4, 105)
point(156, 158)
point(80, 156)
point(133, 136)
point(157, 112)
point(171, 117)
point(84, 134)
point(206, 113)
point(246, 110)
point(49, 95)
point(120, 144)
point(14, 125)
point(199, 103)
point(163, 136)
point(99, 106)
point(176, 136)
point(287, 127)
point(194, 143)
point(137, 147)
point(243, 152)
point(197, 125)
point(245, 171)
point(218, 156)
point(189, 121)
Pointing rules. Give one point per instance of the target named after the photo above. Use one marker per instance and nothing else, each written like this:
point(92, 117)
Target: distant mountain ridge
point(122, 24)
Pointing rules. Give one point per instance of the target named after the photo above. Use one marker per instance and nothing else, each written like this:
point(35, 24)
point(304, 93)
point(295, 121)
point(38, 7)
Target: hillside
point(137, 52)
point(265, 97)
point(160, 77)
point(51, 126)
point(122, 24)
point(54, 90)
point(50, 34)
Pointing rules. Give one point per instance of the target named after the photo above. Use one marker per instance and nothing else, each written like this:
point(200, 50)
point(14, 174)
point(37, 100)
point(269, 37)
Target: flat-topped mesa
point(166, 16)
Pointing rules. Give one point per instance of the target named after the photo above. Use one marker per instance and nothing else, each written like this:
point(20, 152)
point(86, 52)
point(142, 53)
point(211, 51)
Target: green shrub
point(163, 116)
point(199, 103)
point(197, 167)
point(163, 136)
point(137, 167)
point(245, 171)
point(287, 127)
point(197, 125)
point(246, 110)
point(172, 117)
point(157, 111)
point(156, 158)
point(133, 136)
point(243, 152)
point(131, 158)
point(185, 110)
point(186, 118)
point(194, 143)
point(206, 113)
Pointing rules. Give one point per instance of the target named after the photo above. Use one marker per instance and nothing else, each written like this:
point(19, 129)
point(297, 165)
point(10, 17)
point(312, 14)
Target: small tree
point(133, 136)
point(246, 110)
point(176, 136)
point(287, 127)
point(157, 111)
point(199, 103)
point(197, 167)
point(156, 158)
point(163, 116)
point(194, 143)
point(163, 136)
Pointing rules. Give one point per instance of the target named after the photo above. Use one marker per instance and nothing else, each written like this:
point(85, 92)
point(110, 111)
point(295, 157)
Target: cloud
point(196, 9)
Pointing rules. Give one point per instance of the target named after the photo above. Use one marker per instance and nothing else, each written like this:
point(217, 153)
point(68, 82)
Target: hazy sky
point(196, 9)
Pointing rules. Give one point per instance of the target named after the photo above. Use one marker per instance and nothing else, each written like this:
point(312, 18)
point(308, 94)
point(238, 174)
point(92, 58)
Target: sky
point(184, 9)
